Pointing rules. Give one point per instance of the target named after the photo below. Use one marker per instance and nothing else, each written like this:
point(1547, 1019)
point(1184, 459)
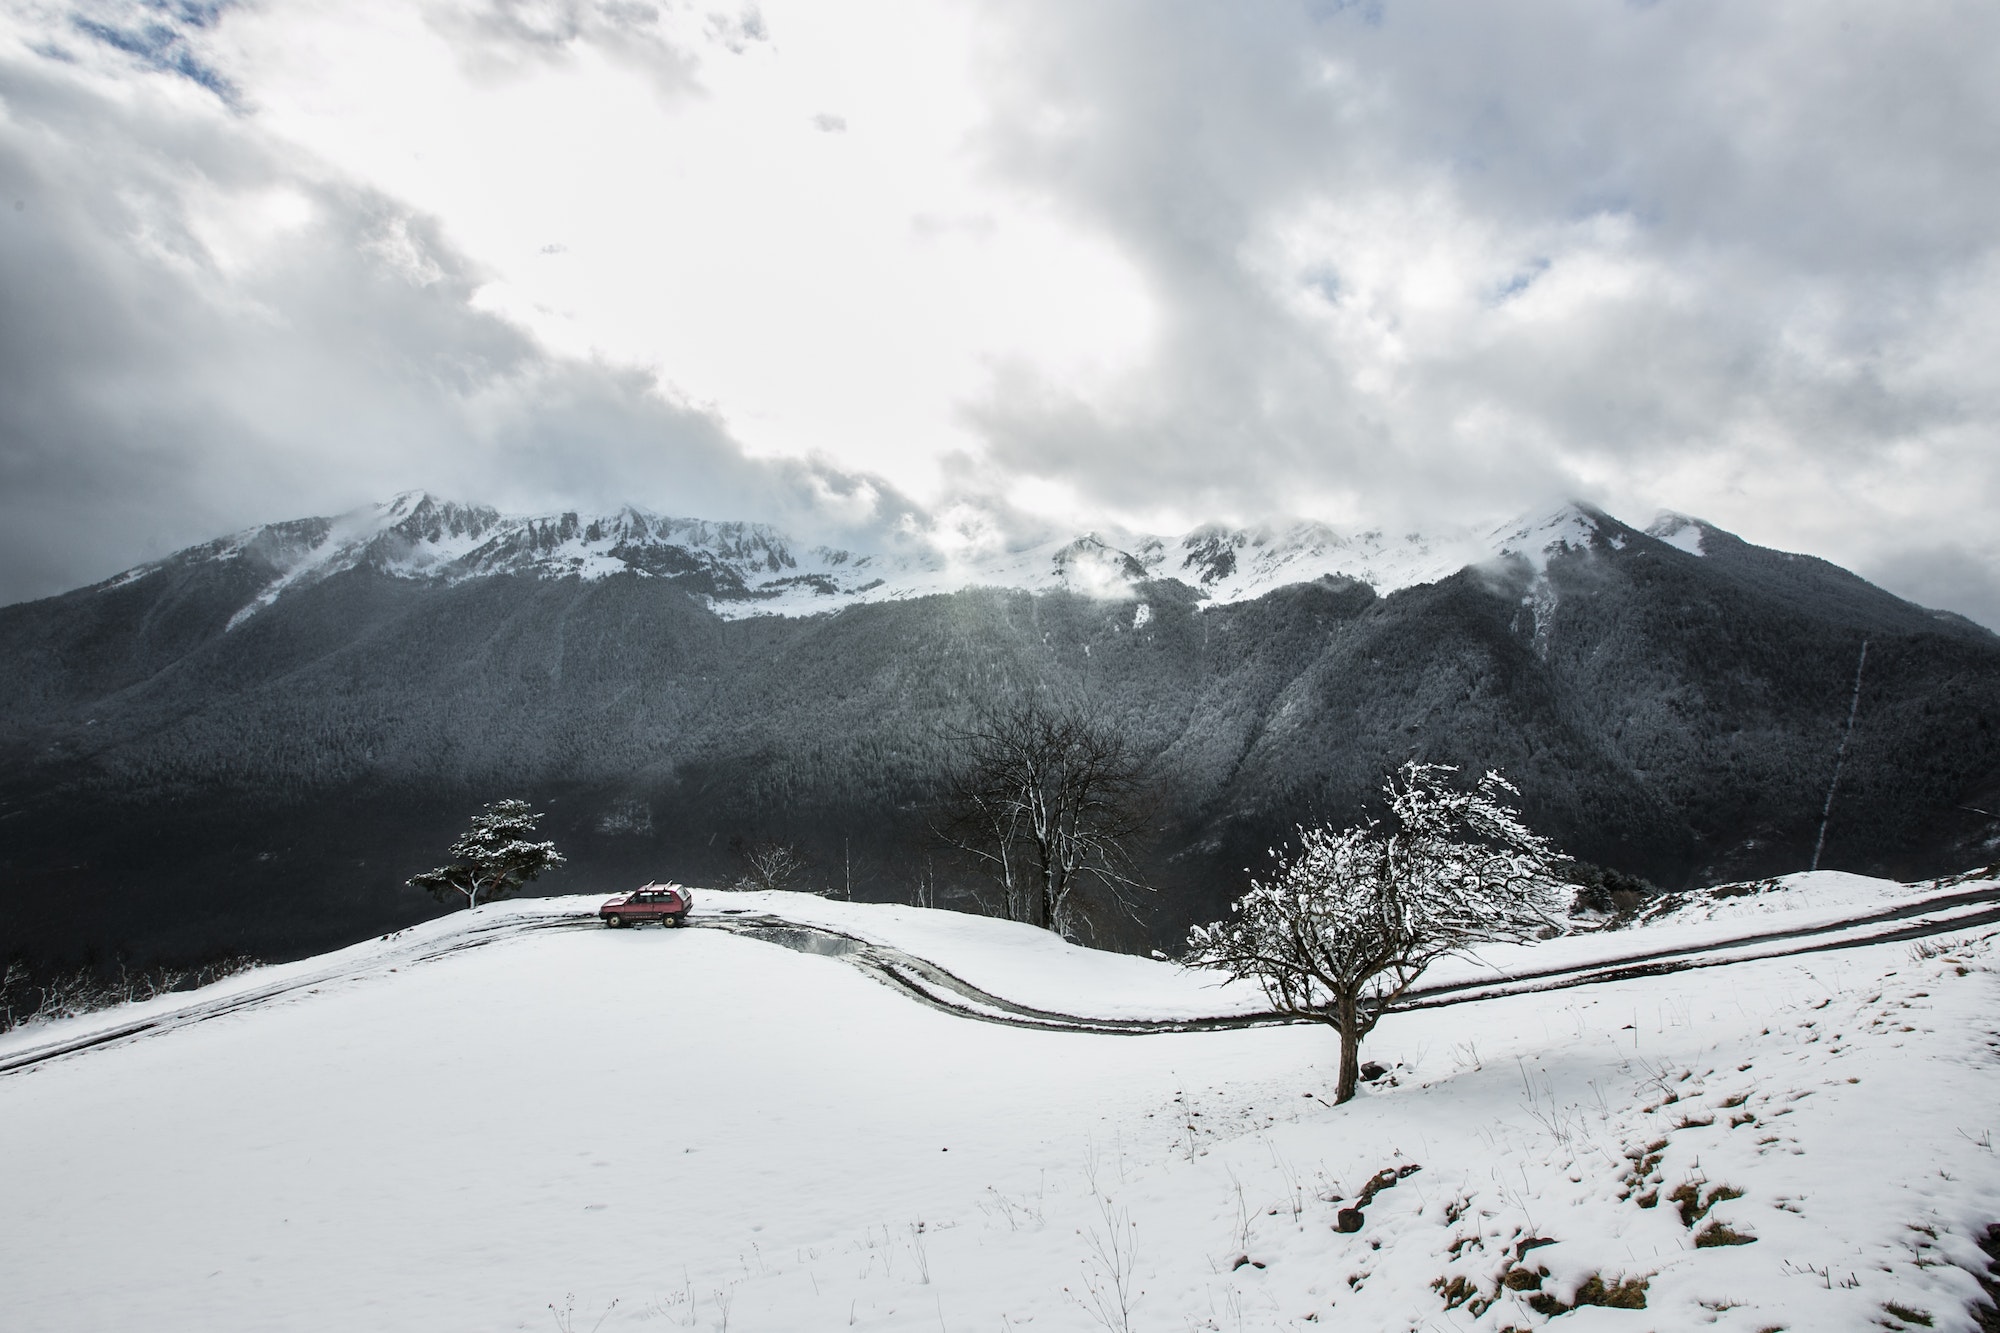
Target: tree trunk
point(1011, 906)
point(1044, 888)
point(1350, 1049)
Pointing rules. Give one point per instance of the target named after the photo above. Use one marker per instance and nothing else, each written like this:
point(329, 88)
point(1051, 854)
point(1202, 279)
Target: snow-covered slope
point(1809, 895)
point(576, 1128)
point(744, 569)
point(1678, 530)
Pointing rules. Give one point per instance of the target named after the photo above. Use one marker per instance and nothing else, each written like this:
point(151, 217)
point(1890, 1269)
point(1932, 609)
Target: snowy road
point(933, 985)
point(928, 982)
point(230, 997)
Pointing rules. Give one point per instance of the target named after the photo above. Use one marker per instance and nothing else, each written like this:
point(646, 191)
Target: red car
point(667, 904)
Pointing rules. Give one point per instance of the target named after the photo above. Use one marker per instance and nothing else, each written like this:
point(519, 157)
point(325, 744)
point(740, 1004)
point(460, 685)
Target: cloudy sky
point(976, 266)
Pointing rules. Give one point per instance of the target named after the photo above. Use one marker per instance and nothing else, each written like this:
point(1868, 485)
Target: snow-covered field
point(578, 1128)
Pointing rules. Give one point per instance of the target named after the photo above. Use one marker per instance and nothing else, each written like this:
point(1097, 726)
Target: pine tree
point(493, 858)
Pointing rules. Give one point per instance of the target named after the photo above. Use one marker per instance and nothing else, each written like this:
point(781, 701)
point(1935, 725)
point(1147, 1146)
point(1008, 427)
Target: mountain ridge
point(174, 771)
point(741, 568)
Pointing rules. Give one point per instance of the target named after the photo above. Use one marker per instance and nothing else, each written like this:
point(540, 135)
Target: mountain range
point(250, 744)
point(746, 569)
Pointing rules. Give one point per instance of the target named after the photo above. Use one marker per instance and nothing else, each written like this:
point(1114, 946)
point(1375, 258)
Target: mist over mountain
point(252, 743)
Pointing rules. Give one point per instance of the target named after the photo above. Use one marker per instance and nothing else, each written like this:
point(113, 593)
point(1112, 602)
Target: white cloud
point(1130, 262)
point(206, 329)
point(1450, 258)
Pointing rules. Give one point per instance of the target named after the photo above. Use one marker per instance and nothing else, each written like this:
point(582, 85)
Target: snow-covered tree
point(493, 858)
point(1348, 919)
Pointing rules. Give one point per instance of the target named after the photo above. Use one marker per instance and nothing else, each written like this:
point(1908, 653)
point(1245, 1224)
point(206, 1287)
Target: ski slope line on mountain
point(634, 1130)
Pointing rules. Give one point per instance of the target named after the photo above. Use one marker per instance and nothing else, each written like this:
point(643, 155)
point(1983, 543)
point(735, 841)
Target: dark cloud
point(1455, 256)
point(166, 375)
point(1405, 262)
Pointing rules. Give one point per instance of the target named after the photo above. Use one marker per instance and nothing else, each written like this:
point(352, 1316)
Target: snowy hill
point(743, 569)
point(513, 1119)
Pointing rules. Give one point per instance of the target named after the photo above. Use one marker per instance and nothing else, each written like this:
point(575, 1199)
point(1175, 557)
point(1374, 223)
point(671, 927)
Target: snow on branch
point(493, 858)
point(1349, 918)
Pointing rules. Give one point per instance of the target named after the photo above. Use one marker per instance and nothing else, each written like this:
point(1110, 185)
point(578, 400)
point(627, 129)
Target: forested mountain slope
point(253, 743)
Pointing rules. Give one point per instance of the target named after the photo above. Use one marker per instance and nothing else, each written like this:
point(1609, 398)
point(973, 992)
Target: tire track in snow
point(257, 996)
point(931, 984)
point(928, 983)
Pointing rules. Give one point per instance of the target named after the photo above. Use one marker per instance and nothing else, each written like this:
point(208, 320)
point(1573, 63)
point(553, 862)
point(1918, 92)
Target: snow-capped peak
point(1678, 530)
point(1572, 526)
point(744, 569)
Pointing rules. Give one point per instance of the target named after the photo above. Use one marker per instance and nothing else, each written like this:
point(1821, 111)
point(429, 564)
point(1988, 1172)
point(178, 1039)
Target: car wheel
point(614, 921)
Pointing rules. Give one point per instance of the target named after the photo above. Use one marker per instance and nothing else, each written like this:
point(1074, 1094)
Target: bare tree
point(1350, 919)
point(773, 865)
point(492, 859)
point(923, 893)
point(13, 981)
point(1048, 802)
